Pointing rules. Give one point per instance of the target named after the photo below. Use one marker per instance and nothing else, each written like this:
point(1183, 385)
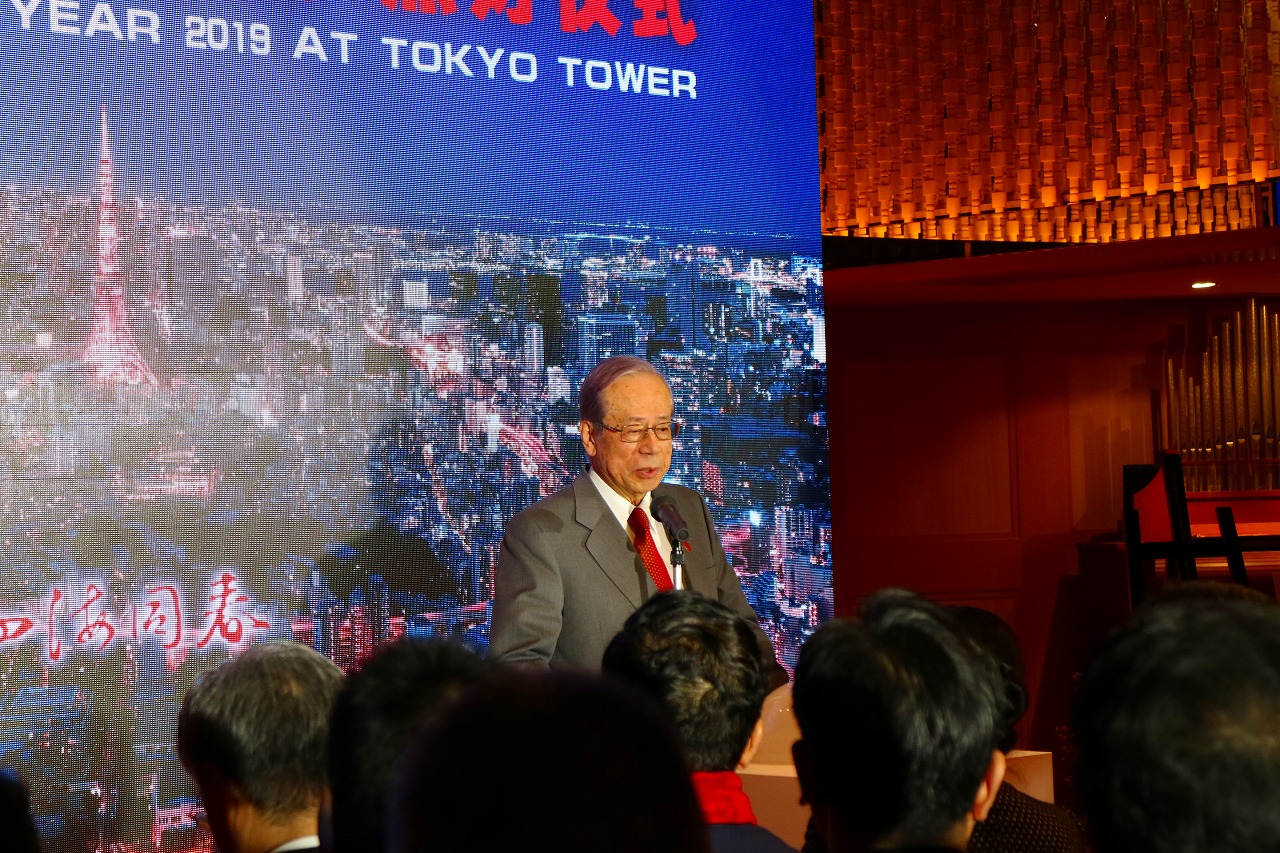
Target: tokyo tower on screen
point(111, 352)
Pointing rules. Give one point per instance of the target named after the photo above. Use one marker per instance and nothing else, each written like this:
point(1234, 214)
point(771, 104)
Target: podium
point(770, 779)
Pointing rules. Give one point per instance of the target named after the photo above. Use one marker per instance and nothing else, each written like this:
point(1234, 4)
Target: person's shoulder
point(679, 492)
point(557, 505)
point(745, 838)
point(1020, 821)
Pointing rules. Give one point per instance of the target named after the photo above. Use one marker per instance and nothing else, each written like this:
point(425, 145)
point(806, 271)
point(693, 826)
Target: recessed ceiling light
point(1204, 285)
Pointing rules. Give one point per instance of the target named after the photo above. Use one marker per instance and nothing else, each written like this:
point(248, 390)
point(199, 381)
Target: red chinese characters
point(14, 627)
point(575, 18)
point(161, 616)
point(660, 17)
point(226, 621)
point(96, 624)
point(55, 647)
point(520, 12)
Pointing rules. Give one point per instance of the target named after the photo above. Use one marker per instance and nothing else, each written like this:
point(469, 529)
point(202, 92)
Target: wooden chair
point(1158, 526)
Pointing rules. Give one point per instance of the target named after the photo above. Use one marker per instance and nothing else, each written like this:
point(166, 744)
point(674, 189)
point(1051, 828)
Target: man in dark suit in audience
point(547, 763)
point(253, 734)
point(1178, 726)
point(1017, 821)
point(376, 716)
point(702, 663)
point(898, 715)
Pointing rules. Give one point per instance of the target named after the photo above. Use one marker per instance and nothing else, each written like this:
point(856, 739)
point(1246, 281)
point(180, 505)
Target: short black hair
point(550, 763)
point(376, 715)
point(899, 710)
point(262, 720)
point(1176, 726)
point(996, 637)
point(703, 663)
point(17, 827)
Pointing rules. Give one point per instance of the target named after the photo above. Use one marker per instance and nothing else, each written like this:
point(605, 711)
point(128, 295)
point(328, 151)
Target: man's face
point(631, 469)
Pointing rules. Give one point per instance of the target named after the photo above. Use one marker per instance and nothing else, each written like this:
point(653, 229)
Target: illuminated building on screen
point(603, 335)
point(111, 351)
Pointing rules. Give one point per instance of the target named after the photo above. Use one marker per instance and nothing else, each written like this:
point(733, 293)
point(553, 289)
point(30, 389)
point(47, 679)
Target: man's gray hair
point(604, 374)
point(262, 721)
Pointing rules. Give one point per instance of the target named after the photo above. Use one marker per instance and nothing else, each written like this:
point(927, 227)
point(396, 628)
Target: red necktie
point(639, 524)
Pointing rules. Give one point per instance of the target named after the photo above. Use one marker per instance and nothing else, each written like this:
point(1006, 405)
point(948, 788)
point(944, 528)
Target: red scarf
point(721, 797)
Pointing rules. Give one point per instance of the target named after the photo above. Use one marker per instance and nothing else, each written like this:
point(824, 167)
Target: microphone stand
point(677, 557)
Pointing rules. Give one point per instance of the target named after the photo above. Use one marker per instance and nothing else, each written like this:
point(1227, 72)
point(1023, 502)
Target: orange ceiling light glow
point(1073, 121)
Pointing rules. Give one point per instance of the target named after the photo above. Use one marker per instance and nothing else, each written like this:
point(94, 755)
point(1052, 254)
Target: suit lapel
point(607, 543)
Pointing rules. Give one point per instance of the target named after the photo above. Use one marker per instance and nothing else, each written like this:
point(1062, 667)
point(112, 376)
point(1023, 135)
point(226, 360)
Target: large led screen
point(296, 300)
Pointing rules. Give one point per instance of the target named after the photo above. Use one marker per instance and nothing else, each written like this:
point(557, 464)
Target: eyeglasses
point(634, 433)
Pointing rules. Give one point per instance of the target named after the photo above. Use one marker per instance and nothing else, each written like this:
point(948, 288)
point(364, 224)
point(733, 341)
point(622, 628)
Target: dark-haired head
point(380, 709)
point(1176, 726)
point(703, 663)
point(898, 714)
point(548, 764)
point(995, 636)
point(17, 827)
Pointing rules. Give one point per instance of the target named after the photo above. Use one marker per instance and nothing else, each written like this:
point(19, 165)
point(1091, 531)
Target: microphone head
point(664, 509)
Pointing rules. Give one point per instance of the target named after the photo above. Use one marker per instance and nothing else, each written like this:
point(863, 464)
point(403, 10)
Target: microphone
point(664, 509)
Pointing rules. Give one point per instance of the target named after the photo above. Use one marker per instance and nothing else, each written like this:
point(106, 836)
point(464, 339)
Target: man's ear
point(985, 798)
point(587, 430)
point(806, 773)
point(753, 743)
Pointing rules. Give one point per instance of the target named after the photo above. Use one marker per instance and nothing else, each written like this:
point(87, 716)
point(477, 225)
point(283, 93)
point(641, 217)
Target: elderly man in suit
point(575, 565)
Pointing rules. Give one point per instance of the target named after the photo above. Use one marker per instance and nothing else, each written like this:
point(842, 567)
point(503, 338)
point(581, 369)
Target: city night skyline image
point(227, 425)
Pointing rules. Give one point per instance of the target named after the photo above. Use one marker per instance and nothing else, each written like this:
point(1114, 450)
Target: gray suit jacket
point(568, 577)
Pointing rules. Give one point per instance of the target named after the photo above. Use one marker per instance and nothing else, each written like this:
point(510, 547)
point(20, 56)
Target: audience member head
point(253, 733)
point(1176, 726)
point(552, 764)
point(17, 827)
point(376, 715)
point(996, 637)
point(703, 663)
point(899, 713)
